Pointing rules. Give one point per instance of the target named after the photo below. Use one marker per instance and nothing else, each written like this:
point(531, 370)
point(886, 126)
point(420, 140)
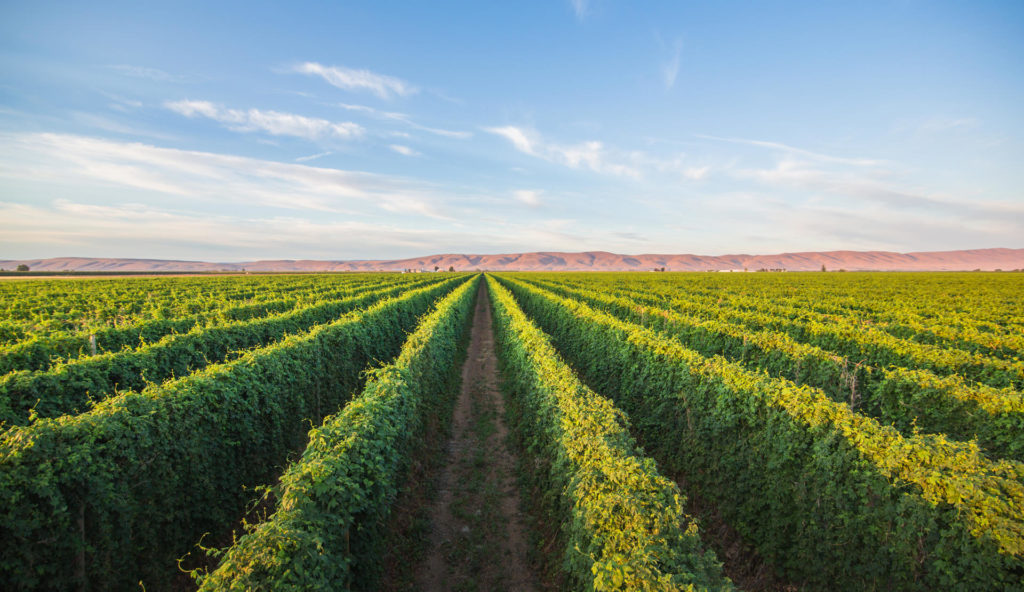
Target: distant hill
point(984, 259)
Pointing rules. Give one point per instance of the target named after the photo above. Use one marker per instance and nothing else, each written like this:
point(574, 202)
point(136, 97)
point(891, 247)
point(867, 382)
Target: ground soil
point(477, 535)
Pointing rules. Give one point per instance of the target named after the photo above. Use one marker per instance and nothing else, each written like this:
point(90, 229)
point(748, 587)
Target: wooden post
point(92, 344)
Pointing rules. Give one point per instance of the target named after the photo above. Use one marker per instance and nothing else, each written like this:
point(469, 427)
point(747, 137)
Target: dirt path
point(477, 537)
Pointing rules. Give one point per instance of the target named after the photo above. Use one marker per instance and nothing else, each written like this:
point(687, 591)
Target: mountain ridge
point(960, 260)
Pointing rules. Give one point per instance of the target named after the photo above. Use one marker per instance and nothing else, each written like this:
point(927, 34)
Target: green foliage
point(910, 399)
point(45, 348)
point(107, 498)
point(333, 502)
point(69, 387)
point(623, 523)
point(831, 498)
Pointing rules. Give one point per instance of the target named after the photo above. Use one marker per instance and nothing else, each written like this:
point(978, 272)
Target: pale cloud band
point(580, 7)
point(529, 197)
point(210, 178)
point(272, 122)
point(406, 119)
point(358, 80)
point(153, 74)
point(670, 69)
point(587, 155)
point(404, 150)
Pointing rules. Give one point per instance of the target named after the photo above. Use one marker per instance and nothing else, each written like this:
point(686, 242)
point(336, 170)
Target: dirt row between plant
point(477, 535)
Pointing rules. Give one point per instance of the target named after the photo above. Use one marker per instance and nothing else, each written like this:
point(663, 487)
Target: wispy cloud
point(788, 149)
point(204, 177)
point(404, 150)
point(519, 137)
point(156, 231)
point(670, 65)
point(379, 114)
point(529, 197)
point(105, 123)
point(941, 124)
point(872, 226)
point(589, 155)
point(272, 122)
point(120, 103)
point(148, 73)
point(874, 186)
point(580, 7)
point(406, 119)
point(63, 226)
point(313, 156)
point(696, 173)
point(358, 80)
point(937, 124)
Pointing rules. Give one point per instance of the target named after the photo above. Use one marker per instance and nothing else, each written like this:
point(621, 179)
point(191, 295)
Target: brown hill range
point(984, 259)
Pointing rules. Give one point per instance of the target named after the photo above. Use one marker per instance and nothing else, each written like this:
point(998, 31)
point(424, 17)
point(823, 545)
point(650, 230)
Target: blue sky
point(237, 131)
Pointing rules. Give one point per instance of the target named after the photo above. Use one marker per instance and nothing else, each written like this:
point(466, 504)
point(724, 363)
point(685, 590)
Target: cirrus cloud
point(358, 80)
point(589, 155)
point(272, 122)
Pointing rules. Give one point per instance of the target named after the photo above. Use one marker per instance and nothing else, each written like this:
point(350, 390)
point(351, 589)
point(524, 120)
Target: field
point(591, 431)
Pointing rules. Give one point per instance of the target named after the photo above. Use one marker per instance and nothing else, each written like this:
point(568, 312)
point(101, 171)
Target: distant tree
point(451, 268)
point(22, 267)
point(823, 267)
point(436, 268)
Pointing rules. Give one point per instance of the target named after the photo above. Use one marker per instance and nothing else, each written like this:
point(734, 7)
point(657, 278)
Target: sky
point(235, 131)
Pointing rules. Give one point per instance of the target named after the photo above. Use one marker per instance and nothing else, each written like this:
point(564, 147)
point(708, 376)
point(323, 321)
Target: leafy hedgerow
point(831, 498)
point(333, 502)
point(623, 523)
point(978, 313)
point(46, 349)
point(70, 387)
point(912, 400)
point(113, 496)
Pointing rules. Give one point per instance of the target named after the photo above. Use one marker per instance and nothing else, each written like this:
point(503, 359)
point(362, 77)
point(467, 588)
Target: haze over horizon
point(242, 131)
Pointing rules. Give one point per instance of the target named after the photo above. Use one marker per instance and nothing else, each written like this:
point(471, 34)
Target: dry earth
point(477, 535)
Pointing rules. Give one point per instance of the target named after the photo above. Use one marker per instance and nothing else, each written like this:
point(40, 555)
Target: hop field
point(842, 431)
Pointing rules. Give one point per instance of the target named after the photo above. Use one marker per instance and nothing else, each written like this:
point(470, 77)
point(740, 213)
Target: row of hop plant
point(623, 524)
point(853, 339)
point(71, 387)
point(912, 400)
point(910, 313)
point(45, 306)
point(41, 351)
point(327, 530)
point(958, 306)
point(106, 498)
point(830, 498)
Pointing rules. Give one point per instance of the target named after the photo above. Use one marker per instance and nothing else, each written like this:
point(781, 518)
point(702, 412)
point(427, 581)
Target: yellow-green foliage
point(69, 387)
point(624, 527)
point(833, 498)
point(909, 398)
point(107, 498)
point(334, 501)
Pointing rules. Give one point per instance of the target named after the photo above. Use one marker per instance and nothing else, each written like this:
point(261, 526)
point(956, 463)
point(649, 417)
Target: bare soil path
point(477, 535)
